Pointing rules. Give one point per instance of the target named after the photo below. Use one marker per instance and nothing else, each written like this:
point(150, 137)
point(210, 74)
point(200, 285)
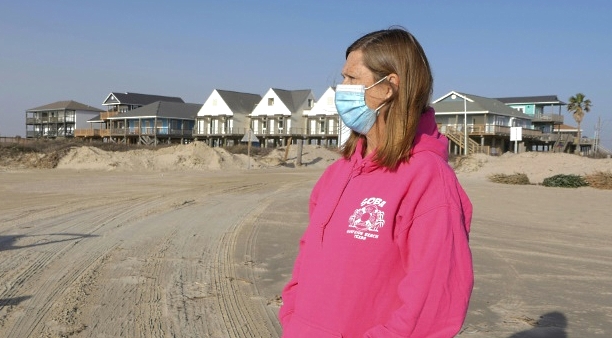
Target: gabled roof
point(325, 105)
point(474, 103)
point(240, 103)
point(137, 99)
point(292, 98)
point(66, 105)
point(164, 109)
point(545, 99)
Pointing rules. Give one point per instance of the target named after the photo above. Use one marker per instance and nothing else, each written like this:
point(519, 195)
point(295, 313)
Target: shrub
point(516, 178)
point(600, 180)
point(565, 181)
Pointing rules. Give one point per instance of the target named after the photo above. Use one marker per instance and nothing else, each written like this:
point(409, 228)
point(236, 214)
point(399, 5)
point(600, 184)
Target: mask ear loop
point(377, 82)
point(377, 110)
point(379, 107)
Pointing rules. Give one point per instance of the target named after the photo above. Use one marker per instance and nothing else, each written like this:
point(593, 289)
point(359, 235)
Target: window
point(322, 124)
point(310, 103)
point(264, 123)
point(225, 126)
point(270, 101)
point(214, 102)
point(281, 122)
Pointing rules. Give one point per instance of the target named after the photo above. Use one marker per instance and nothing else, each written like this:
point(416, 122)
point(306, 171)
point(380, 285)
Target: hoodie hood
point(427, 138)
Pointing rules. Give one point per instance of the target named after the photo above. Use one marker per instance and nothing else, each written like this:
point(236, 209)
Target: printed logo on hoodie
point(366, 220)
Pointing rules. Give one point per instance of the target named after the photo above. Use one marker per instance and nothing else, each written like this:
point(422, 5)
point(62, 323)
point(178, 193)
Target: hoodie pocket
point(300, 328)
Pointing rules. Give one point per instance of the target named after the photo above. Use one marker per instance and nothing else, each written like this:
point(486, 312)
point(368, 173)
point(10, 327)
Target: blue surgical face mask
point(352, 108)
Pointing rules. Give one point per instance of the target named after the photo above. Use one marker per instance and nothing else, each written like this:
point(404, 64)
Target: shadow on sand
point(305, 164)
point(550, 325)
point(7, 242)
point(12, 301)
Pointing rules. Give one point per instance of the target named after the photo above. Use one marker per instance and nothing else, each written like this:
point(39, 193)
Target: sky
point(84, 50)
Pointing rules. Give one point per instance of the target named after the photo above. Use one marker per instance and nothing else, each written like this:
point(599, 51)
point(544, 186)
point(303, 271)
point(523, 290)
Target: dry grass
point(516, 178)
point(600, 180)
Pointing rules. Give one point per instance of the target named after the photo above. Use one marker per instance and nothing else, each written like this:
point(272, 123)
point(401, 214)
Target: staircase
point(562, 143)
point(459, 138)
point(147, 140)
point(603, 150)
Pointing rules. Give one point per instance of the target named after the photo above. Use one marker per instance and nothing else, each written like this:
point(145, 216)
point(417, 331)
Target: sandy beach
point(192, 241)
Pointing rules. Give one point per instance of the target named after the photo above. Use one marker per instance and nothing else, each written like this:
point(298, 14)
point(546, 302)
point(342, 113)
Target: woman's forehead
point(354, 64)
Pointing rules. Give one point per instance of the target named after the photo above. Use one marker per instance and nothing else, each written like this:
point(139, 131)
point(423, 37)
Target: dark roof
point(479, 104)
point(66, 105)
point(545, 99)
point(239, 103)
point(137, 99)
point(97, 119)
point(165, 109)
point(292, 98)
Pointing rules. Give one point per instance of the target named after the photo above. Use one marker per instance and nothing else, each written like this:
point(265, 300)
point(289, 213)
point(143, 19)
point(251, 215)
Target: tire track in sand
point(55, 268)
point(244, 311)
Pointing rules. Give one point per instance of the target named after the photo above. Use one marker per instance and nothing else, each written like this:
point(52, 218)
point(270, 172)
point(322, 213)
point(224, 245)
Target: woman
point(386, 252)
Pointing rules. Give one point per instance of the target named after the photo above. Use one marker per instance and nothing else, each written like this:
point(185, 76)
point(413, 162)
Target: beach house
point(58, 119)
point(484, 123)
point(279, 117)
point(117, 103)
point(322, 121)
point(546, 113)
point(224, 119)
point(154, 123)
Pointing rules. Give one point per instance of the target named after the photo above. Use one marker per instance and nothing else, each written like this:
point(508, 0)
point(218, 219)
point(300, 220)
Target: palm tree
point(578, 106)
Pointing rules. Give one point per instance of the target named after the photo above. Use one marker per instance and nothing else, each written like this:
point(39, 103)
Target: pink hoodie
point(386, 253)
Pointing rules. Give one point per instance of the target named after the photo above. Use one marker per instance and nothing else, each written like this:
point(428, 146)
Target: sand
point(193, 156)
point(188, 241)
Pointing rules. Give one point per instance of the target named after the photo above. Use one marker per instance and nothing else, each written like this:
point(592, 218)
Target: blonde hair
point(388, 51)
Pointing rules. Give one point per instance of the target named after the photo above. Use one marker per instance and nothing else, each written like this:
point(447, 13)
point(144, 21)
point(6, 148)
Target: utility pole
point(465, 131)
point(597, 132)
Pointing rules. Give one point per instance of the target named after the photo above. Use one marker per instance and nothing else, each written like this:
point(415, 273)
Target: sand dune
point(193, 156)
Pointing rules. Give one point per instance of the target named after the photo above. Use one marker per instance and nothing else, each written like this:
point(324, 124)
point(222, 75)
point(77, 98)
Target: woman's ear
point(394, 82)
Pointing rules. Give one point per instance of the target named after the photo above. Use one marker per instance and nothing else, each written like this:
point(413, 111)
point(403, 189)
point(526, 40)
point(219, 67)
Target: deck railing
point(148, 131)
point(16, 139)
point(266, 132)
point(106, 115)
point(488, 129)
point(87, 133)
point(554, 118)
point(220, 132)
